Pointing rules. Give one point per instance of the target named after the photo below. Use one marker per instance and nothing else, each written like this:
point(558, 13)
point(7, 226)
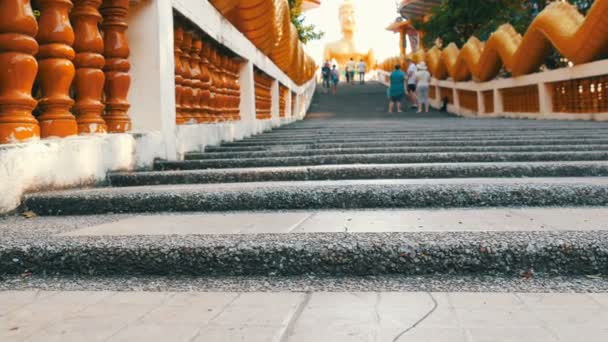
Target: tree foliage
point(457, 20)
point(306, 32)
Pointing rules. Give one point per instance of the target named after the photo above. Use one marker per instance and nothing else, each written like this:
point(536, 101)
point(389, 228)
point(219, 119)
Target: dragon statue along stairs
point(578, 38)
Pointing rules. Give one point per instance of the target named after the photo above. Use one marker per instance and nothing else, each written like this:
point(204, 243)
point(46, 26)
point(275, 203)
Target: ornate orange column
point(214, 85)
point(206, 83)
point(187, 91)
point(178, 37)
point(117, 66)
point(221, 75)
point(236, 66)
point(89, 61)
point(18, 69)
point(197, 84)
point(56, 70)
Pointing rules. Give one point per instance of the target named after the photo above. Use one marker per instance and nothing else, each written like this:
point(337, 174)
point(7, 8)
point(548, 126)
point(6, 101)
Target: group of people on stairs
point(331, 75)
point(418, 78)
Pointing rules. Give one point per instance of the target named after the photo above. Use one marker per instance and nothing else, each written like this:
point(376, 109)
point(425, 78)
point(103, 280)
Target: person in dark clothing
point(326, 74)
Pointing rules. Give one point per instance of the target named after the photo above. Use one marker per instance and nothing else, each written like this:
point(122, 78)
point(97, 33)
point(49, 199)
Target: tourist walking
point(423, 79)
point(350, 71)
point(326, 74)
point(396, 91)
point(411, 83)
point(335, 78)
point(361, 68)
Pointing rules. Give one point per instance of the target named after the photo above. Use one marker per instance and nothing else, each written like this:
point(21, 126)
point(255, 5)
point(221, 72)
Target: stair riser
point(453, 149)
point(381, 159)
point(418, 136)
point(322, 196)
point(388, 172)
point(404, 144)
point(446, 140)
point(319, 254)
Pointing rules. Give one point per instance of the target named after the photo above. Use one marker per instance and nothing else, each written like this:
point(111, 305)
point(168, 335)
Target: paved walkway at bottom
point(319, 316)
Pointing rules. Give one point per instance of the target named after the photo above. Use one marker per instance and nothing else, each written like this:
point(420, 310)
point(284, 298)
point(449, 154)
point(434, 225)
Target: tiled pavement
point(319, 316)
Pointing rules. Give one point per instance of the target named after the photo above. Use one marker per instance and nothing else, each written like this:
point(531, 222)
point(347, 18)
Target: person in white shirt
point(361, 68)
point(411, 83)
point(350, 71)
point(423, 79)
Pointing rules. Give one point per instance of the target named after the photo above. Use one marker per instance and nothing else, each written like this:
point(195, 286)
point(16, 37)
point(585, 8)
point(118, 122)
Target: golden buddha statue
point(344, 49)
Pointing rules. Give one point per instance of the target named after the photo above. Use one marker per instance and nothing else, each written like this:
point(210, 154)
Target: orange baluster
point(178, 37)
point(221, 60)
point(117, 66)
point(56, 70)
point(187, 76)
point(237, 89)
point(197, 84)
point(18, 69)
point(89, 61)
point(215, 88)
point(206, 83)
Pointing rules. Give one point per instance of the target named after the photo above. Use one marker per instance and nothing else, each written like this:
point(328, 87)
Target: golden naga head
point(347, 16)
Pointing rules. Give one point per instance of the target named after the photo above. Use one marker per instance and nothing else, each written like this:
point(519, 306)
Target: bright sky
point(372, 17)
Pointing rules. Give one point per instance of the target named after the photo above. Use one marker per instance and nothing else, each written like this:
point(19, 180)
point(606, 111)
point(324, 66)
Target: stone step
point(420, 136)
point(444, 124)
point(367, 171)
point(405, 140)
point(435, 193)
point(374, 150)
point(364, 129)
point(185, 244)
point(512, 142)
point(386, 158)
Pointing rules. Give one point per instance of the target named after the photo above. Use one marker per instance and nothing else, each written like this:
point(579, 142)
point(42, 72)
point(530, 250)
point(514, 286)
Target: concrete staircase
point(361, 160)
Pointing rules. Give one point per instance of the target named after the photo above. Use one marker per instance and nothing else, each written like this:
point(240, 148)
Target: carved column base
point(17, 124)
point(118, 121)
point(55, 122)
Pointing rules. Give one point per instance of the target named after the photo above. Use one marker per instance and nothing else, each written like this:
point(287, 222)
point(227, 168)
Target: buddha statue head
point(347, 17)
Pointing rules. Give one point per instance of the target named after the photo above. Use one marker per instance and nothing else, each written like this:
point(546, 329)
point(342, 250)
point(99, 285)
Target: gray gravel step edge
point(374, 150)
point(386, 158)
point(367, 171)
point(223, 148)
point(445, 140)
point(479, 253)
point(373, 137)
point(451, 193)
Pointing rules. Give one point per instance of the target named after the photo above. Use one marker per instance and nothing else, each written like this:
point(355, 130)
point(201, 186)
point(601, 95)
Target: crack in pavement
point(289, 328)
point(435, 305)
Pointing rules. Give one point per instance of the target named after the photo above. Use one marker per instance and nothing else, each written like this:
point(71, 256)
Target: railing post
point(275, 101)
point(247, 105)
point(56, 70)
point(481, 105)
point(545, 98)
point(18, 69)
point(117, 66)
point(89, 61)
point(498, 105)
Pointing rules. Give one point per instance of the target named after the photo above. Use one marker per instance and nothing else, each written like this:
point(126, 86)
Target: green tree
point(306, 32)
point(457, 20)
